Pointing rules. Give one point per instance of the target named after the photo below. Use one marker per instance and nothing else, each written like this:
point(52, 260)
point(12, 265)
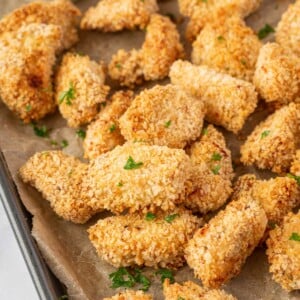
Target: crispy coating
point(284, 253)
point(153, 61)
point(58, 12)
point(228, 101)
point(189, 290)
point(104, 133)
point(27, 57)
point(277, 74)
point(163, 115)
point(116, 15)
point(132, 240)
point(274, 141)
point(131, 295)
point(83, 81)
point(159, 182)
point(218, 250)
point(227, 45)
point(295, 167)
point(59, 178)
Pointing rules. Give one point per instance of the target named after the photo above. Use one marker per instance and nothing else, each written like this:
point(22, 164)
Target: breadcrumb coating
point(274, 141)
point(58, 177)
point(295, 167)
point(163, 115)
point(277, 74)
point(116, 15)
point(62, 13)
point(104, 133)
point(153, 61)
point(131, 295)
point(27, 57)
point(138, 177)
point(189, 290)
point(227, 45)
point(228, 101)
point(218, 250)
point(283, 252)
point(80, 89)
point(132, 240)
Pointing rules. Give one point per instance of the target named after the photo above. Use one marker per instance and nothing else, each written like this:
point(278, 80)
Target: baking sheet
point(64, 245)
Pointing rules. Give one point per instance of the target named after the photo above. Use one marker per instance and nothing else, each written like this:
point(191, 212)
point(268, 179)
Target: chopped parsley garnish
point(265, 134)
point(64, 143)
point(28, 107)
point(103, 104)
point(41, 131)
point(120, 183)
point(295, 237)
point(53, 143)
point(265, 31)
point(118, 66)
point(131, 164)
point(112, 128)
point(216, 156)
point(81, 133)
point(168, 123)
point(170, 218)
point(297, 178)
point(63, 297)
point(216, 169)
point(204, 131)
point(142, 279)
point(121, 278)
point(221, 38)
point(150, 216)
point(271, 224)
point(243, 62)
point(68, 95)
point(165, 274)
point(180, 298)
point(205, 1)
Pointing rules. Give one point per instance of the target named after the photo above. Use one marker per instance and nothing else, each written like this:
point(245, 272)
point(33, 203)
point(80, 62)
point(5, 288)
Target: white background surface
point(15, 280)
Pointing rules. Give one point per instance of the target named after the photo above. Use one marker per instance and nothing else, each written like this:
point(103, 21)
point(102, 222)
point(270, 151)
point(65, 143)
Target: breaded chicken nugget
point(277, 74)
point(137, 239)
point(104, 133)
point(59, 178)
point(153, 61)
point(131, 295)
point(116, 15)
point(227, 45)
point(58, 12)
point(163, 115)
point(138, 177)
point(228, 101)
point(79, 89)
point(192, 291)
point(27, 57)
point(284, 252)
point(274, 141)
point(218, 250)
point(295, 167)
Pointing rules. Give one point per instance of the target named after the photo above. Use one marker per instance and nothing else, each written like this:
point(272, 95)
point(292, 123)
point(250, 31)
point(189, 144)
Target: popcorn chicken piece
point(131, 295)
point(131, 240)
point(59, 178)
point(228, 101)
point(227, 45)
point(191, 291)
point(277, 74)
point(104, 133)
point(79, 89)
point(283, 252)
point(295, 167)
point(27, 56)
point(62, 13)
point(274, 141)
point(152, 62)
point(163, 115)
point(218, 250)
point(116, 15)
point(138, 177)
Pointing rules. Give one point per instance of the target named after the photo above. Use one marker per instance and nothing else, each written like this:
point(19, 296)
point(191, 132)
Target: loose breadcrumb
point(228, 101)
point(116, 15)
point(283, 252)
point(132, 240)
point(59, 178)
point(218, 250)
point(274, 141)
point(104, 133)
point(163, 115)
point(27, 57)
point(138, 177)
point(295, 167)
point(131, 295)
point(79, 89)
point(153, 61)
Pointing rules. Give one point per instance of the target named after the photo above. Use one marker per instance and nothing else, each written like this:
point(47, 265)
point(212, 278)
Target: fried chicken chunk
point(228, 101)
point(152, 62)
point(59, 178)
point(80, 89)
point(283, 252)
point(131, 295)
point(274, 141)
point(218, 250)
point(104, 133)
point(116, 15)
point(62, 13)
point(27, 56)
point(295, 167)
point(163, 115)
point(135, 240)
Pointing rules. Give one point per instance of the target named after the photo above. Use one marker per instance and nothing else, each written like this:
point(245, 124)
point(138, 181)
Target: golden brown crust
point(131, 295)
point(295, 167)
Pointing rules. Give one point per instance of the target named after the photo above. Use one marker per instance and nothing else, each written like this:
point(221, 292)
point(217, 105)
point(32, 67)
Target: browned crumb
point(131, 295)
point(295, 167)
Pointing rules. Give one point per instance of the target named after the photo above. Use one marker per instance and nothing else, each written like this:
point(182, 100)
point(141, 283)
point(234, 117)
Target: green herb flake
point(204, 1)
point(295, 237)
point(28, 107)
point(168, 123)
point(216, 156)
point(41, 131)
point(118, 66)
point(243, 62)
point(103, 104)
point(64, 143)
point(63, 297)
point(53, 142)
point(81, 133)
point(121, 278)
point(220, 38)
point(170, 218)
point(265, 31)
point(131, 164)
point(205, 131)
point(216, 169)
point(120, 183)
point(112, 128)
point(297, 178)
point(150, 216)
point(180, 298)
point(272, 224)
point(68, 95)
point(141, 279)
point(265, 134)
point(165, 274)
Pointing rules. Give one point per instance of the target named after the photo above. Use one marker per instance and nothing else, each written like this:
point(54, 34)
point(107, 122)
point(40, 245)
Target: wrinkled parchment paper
point(64, 245)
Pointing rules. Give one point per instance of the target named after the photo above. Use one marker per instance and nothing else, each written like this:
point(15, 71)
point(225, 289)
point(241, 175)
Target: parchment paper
point(64, 245)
